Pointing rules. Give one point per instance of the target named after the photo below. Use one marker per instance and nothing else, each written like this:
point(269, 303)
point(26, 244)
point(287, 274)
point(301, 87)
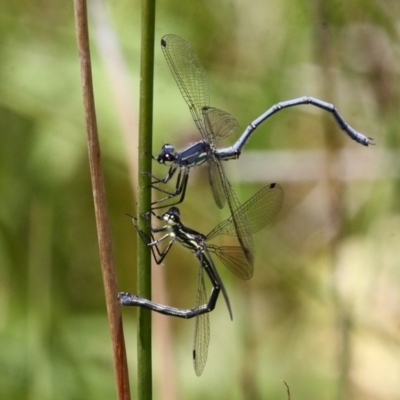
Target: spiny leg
point(158, 254)
point(180, 190)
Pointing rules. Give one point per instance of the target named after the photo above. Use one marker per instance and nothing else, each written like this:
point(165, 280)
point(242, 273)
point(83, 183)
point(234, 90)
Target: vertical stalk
point(100, 204)
point(144, 196)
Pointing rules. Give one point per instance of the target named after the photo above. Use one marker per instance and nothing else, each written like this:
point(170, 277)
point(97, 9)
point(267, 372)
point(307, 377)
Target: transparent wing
point(216, 180)
point(201, 330)
point(219, 124)
point(192, 81)
point(189, 74)
point(241, 227)
point(258, 211)
point(263, 206)
point(233, 258)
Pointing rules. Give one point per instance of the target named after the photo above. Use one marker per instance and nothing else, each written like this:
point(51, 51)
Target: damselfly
point(215, 124)
point(258, 211)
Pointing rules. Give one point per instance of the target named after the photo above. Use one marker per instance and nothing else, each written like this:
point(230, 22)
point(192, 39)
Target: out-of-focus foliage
point(323, 309)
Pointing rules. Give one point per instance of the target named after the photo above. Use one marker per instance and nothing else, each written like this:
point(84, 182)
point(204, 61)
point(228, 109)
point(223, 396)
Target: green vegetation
point(321, 311)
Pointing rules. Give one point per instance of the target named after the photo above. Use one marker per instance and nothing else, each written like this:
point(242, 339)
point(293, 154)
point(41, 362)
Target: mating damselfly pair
point(213, 124)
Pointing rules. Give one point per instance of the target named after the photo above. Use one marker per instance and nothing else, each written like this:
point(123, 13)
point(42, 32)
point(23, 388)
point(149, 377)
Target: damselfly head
point(172, 216)
point(167, 154)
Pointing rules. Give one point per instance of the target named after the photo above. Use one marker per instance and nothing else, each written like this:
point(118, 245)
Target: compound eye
point(167, 154)
point(168, 148)
point(169, 157)
point(171, 218)
point(174, 214)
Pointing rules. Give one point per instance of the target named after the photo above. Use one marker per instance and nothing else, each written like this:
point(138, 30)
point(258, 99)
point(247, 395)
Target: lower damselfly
point(259, 210)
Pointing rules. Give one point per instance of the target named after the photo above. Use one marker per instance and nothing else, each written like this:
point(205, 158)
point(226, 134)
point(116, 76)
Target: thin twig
point(287, 390)
point(100, 205)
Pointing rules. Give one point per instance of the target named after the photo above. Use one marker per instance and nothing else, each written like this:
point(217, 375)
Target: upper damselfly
point(215, 124)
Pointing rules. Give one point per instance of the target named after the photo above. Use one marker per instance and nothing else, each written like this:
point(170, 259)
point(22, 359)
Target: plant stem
point(144, 196)
point(100, 205)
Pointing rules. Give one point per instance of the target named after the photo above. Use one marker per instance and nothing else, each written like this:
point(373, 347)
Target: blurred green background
point(322, 311)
